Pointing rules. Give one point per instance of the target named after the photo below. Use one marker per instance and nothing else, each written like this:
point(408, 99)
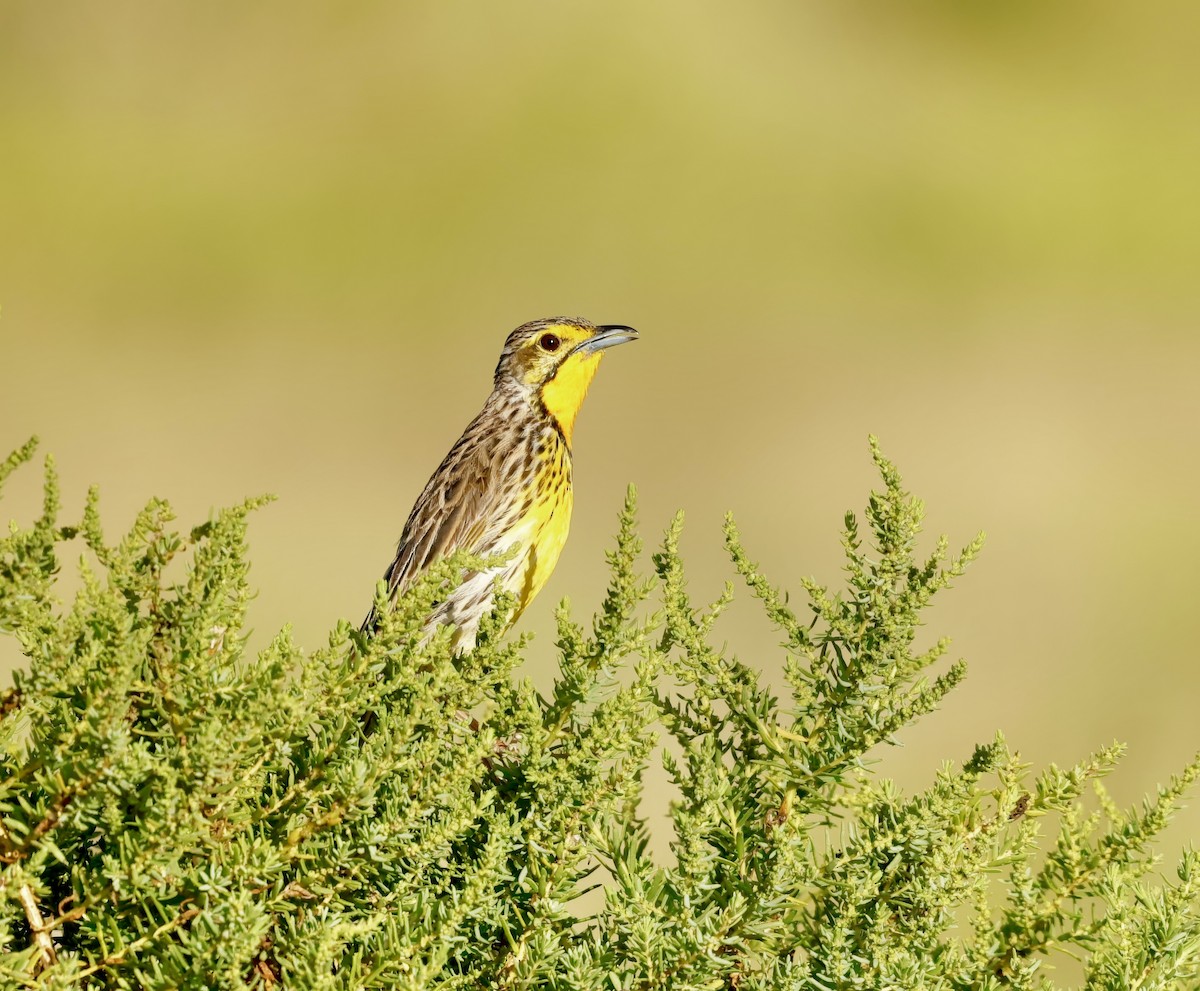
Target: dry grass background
point(272, 247)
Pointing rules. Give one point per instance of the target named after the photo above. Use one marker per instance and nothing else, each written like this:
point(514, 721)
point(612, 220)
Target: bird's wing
point(463, 507)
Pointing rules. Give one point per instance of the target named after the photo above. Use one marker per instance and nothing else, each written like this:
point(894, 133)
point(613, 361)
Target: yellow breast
point(548, 521)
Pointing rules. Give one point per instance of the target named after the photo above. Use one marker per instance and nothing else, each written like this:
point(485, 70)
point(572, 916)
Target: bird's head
point(554, 360)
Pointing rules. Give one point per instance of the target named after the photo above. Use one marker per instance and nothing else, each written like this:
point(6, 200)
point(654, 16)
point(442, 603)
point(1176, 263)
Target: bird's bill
point(608, 336)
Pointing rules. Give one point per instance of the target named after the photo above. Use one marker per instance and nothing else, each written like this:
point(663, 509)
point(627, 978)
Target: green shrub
point(379, 813)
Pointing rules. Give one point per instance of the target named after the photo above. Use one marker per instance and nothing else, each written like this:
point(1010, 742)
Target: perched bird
point(505, 487)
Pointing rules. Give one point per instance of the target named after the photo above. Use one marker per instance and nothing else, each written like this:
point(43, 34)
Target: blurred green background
point(273, 247)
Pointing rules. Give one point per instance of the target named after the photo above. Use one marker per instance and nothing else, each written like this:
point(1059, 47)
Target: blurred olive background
point(275, 248)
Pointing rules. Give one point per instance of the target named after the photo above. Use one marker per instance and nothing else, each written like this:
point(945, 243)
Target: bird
point(505, 488)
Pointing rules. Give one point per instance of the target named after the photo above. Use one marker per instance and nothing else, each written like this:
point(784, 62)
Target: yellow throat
point(564, 393)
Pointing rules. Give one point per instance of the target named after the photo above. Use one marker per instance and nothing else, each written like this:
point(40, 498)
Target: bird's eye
point(550, 342)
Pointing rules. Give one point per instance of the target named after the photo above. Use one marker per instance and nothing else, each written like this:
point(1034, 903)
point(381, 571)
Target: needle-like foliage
point(381, 813)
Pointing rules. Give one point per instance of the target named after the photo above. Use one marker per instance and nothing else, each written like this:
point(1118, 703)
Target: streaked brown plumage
point(505, 486)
